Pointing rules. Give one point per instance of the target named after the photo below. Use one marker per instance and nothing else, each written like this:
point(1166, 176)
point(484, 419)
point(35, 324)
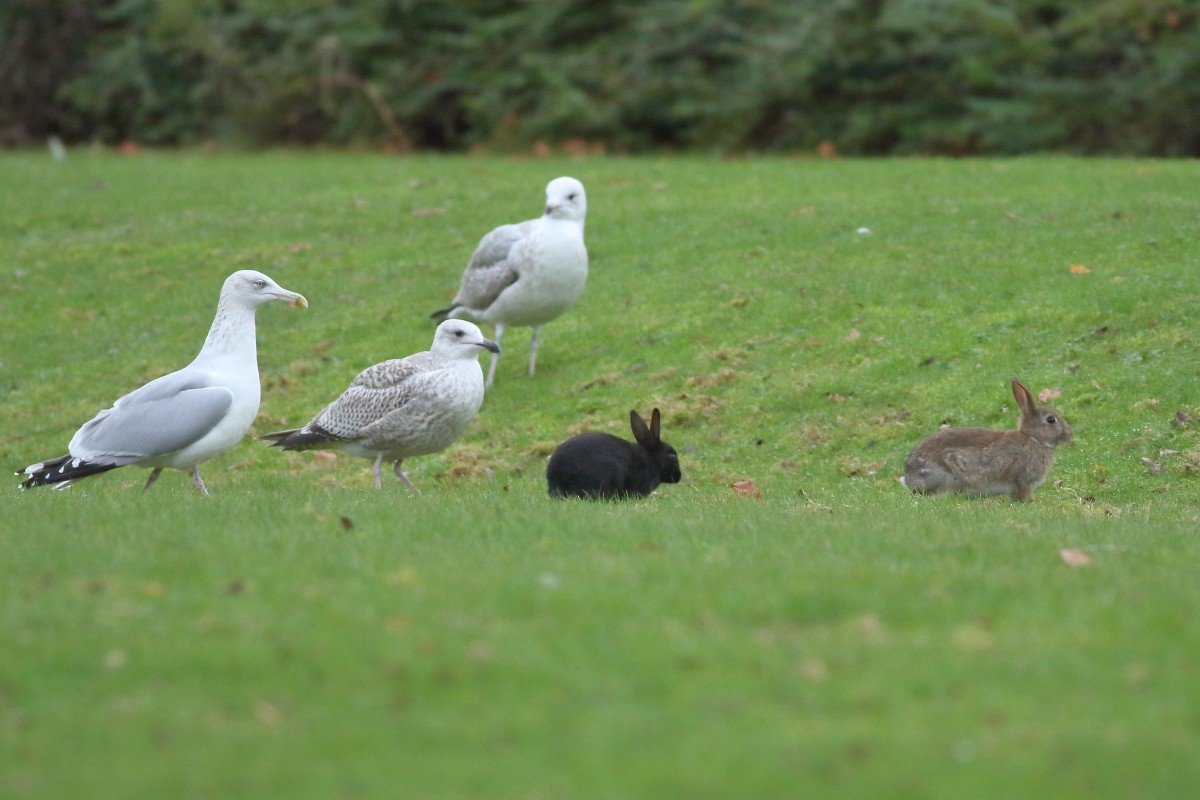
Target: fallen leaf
point(1046, 395)
point(347, 523)
point(1079, 269)
point(1073, 557)
point(814, 669)
point(746, 489)
point(268, 714)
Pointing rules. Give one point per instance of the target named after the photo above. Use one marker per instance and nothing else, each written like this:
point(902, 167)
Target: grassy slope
point(301, 635)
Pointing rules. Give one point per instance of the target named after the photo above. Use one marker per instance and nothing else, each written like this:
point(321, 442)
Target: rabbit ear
point(1024, 399)
point(645, 436)
point(655, 419)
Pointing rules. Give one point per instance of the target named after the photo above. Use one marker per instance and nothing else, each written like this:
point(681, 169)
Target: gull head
point(456, 338)
point(565, 199)
point(255, 289)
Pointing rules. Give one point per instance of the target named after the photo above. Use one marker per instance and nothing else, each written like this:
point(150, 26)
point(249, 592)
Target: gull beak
point(489, 345)
point(292, 298)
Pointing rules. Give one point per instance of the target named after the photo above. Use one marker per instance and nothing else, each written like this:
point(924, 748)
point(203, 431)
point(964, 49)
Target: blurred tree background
point(857, 76)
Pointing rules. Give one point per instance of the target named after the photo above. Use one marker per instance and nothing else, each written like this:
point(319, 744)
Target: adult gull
point(528, 273)
point(403, 407)
point(183, 419)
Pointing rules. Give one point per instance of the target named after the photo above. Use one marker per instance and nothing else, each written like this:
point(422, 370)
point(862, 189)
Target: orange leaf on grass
point(746, 489)
point(1079, 269)
point(1073, 557)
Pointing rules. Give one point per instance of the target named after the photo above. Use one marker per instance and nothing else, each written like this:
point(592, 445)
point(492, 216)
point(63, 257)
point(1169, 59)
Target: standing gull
point(527, 273)
point(404, 407)
point(187, 417)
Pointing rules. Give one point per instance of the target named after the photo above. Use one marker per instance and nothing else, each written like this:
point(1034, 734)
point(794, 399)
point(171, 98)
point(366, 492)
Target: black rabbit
point(600, 465)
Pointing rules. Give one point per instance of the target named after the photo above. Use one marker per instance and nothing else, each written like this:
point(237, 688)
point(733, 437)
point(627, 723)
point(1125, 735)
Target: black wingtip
point(277, 439)
point(61, 470)
point(442, 314)
point(298, 439)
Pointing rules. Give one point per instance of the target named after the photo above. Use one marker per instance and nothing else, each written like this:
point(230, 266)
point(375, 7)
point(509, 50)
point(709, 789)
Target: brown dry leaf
point(1046, 395)
point(324, 457)
point(1079, 269)
point(814, 669)
point(746, 489)
point(857, 468)
point(428, 212)
point(299, 247)
point(268, 714)
point(1073, 557)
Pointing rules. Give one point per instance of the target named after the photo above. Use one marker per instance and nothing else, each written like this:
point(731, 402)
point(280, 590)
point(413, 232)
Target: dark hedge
point(861, 76)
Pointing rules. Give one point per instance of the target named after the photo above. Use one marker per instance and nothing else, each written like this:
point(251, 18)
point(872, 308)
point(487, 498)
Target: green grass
point(300, 635)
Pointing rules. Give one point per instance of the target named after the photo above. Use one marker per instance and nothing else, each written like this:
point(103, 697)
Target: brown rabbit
point(985, 461)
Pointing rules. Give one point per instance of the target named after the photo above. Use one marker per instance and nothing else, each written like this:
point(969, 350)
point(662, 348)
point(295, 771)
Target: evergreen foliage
point(863, 76)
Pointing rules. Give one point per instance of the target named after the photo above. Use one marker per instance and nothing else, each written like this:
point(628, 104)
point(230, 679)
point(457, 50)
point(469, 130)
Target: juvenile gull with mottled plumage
point(183, 419)
point(404, 407)
point(528, 273)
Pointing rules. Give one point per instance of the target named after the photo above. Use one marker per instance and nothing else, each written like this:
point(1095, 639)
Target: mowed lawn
point(801, 323)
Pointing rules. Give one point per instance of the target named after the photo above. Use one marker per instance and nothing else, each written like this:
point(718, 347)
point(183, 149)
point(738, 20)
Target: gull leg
point(154, 473)
point(198, 481)
point(495, 356)
point(375, 471)
point(533, 349)
point(404, 478)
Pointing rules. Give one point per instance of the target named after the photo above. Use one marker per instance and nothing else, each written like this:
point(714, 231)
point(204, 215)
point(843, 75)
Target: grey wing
point(496, 245)
point(489, 271)
point(375, 392)
point(163, 417)
point(393, 372)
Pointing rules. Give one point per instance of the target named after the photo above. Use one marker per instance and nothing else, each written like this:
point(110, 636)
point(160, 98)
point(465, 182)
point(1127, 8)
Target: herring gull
point(404, 407)
point(187, 417)
point(528, 273)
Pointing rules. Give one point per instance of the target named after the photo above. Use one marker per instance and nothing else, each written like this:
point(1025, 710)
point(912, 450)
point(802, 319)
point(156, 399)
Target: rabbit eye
point(1050, 420)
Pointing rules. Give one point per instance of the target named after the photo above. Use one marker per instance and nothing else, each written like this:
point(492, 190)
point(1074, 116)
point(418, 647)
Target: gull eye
point(571, 196)
point(459, 333)
point(260, 283)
